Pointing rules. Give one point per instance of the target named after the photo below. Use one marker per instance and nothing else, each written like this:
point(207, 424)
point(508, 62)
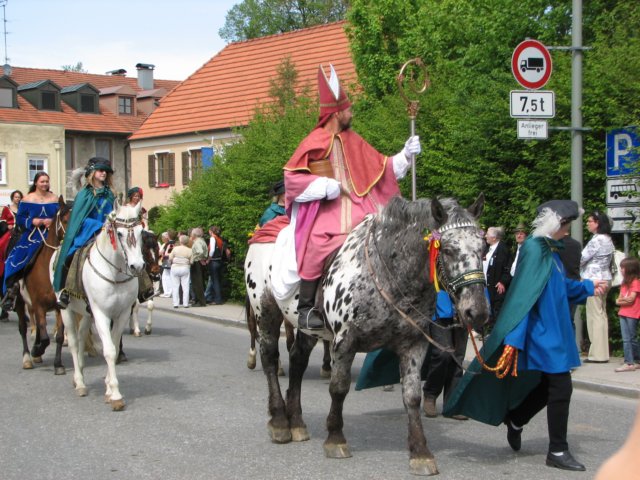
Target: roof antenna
point(3, 4)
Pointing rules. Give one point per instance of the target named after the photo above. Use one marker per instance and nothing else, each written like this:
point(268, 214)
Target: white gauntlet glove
point(333, 189)
point(412, 146)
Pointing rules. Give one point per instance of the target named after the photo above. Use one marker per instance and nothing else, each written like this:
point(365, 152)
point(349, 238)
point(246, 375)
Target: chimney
point(145, 75)
point(120, 72)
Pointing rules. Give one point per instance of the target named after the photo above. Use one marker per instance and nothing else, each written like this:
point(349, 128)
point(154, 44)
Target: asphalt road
point(194, 411)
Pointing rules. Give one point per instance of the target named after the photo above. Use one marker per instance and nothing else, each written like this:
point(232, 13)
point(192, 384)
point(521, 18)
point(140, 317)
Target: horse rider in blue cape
point(90, 209)
point(532, 344)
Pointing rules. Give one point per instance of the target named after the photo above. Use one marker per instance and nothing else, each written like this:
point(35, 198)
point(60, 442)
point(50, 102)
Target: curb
point(581, 384)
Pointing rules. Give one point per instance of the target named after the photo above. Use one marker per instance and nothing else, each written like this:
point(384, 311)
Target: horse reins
point(450, 286)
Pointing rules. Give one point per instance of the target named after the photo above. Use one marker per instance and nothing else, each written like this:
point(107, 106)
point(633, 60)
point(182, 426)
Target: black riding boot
point(9, 300)
point(308, 318)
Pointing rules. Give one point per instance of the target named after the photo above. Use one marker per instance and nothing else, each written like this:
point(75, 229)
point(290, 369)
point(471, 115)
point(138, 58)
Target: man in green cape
point(534, 322)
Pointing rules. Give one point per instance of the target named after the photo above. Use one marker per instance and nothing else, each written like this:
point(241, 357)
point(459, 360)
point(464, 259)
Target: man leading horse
point(333, 180)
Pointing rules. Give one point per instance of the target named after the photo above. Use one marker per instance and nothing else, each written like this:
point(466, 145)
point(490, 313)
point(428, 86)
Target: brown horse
point(37, 295)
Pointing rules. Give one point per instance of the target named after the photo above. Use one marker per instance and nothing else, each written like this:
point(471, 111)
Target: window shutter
point(152, 170)
point(185, 168)
point(172, 169)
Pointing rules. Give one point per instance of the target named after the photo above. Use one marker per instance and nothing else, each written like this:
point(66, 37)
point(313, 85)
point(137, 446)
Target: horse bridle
point(452, 286)
point(129, 224)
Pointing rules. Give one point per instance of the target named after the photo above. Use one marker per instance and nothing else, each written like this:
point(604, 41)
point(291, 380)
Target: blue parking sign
point(623, 151)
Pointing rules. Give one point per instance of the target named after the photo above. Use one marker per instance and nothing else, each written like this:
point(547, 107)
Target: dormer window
point(8, 93)
point(125, 105)
point(43, 95)
point(83, 97)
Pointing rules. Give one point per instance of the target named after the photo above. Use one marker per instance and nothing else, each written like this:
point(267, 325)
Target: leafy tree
point(78, 67)
point(257, 18)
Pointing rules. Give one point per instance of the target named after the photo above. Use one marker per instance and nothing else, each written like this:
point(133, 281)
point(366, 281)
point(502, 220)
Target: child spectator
point(629, 312)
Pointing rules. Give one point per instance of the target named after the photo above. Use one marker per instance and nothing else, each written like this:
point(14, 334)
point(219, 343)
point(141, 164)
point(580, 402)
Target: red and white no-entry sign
point(531, 64)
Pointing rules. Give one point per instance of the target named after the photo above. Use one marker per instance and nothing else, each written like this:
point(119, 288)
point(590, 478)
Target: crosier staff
point(409, 77)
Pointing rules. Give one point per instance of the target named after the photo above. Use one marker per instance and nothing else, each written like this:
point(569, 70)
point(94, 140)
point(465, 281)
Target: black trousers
point(553, 392)
point(441, 370)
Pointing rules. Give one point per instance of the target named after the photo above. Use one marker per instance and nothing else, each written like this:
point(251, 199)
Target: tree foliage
point(78, 67)
point(257, 18)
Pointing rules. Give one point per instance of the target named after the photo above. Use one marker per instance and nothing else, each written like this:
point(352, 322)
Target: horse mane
point(401, 213)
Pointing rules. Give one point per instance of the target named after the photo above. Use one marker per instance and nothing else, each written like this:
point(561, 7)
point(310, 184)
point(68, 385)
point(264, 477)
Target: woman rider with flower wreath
point(90, 209)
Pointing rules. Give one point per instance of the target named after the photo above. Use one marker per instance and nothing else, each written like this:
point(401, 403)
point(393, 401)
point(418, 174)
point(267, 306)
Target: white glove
point(333, 189)
point(412, 146)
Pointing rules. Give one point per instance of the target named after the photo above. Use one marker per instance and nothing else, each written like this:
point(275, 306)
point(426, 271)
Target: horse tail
point(75, 180)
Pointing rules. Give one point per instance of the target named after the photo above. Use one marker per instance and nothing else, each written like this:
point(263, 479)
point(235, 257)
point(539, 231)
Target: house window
point(6, 97)
point(125, 105)
point(48, 100)
point(191, 165)
point(37, 163)
point(162, 169)
point(3, 169)
point(88, 103)
point(103, 148)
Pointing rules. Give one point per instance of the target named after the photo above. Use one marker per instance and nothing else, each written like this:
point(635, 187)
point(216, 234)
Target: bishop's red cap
point(332, 96)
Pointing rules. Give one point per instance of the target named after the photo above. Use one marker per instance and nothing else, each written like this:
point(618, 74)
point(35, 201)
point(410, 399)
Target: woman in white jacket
point(180, 258)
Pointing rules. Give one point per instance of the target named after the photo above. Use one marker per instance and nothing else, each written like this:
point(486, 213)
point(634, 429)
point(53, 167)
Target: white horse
point(110, 280)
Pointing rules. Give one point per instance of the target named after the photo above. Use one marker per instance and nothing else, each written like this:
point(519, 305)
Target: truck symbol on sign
point(623, 190)
point(532, 63)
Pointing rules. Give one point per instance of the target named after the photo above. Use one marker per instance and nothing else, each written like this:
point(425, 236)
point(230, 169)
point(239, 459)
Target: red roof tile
point(106, 122)
point(225, 91)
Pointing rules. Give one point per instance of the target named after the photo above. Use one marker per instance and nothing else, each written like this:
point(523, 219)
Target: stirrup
point(62, 299)
point(303, 320)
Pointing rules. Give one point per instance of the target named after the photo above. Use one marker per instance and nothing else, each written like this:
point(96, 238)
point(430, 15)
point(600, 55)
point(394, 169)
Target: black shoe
point(310, 320)
point(513, 436)
point(63, 300)
point(564, 462)
point(4, 316)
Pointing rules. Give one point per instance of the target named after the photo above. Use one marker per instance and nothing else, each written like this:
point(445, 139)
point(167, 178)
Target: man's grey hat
point(567, 210)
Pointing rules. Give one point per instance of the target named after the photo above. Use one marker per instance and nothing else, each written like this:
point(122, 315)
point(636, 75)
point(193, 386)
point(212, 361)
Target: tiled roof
point(106, 122)
point(224, 92)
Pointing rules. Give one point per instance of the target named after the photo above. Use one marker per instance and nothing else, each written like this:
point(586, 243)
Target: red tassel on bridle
point(112, 236)
point(434, 250)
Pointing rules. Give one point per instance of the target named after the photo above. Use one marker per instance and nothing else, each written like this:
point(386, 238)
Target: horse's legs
point(57, 363)
point(278, 425)
point(109, 351)
point(421, 461)
point(298, 362)
point(27, 364)
point(325, 369)
point(74, 341)
point(147, 327)
point(336, 446)
point(134, 321)
point(42, 336)
point(252, 326)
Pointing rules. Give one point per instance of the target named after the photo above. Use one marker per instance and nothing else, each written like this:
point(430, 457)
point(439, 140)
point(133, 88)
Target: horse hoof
point(37, 359)
point(82, 391)
point(147, 331)
point(279, 435)
point(337, 450)
point(251, 363)
point(117, 405)
point(281, 372)
point(121, 358)
point(137, 334)
point(60, 371)
point(324, 373)
point(423, 466)
point(27, 365)
point(299, 434)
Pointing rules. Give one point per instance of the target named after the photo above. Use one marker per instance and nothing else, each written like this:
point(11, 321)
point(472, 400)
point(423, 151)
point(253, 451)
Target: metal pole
point(576, 113)
point(413, 163)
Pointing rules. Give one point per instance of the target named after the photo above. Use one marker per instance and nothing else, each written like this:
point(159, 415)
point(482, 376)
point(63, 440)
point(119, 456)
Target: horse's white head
point(127, 234)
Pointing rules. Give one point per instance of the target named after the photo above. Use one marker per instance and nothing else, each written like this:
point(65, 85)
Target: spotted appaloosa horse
point(376, 294)
point(38, 298)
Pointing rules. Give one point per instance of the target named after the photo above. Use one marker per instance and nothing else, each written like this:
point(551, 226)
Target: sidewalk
point(591, 376)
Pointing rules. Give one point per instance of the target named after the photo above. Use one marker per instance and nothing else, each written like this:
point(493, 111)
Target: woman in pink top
point(629, 302)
